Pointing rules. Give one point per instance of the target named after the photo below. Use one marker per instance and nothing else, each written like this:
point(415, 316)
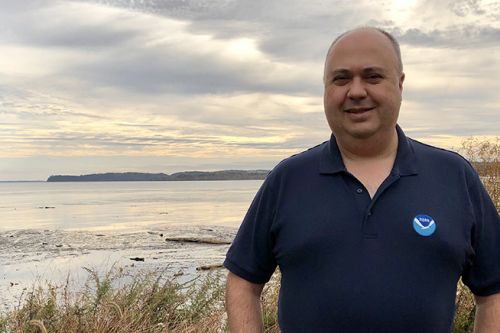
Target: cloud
point(64, 25)
point(225, 78)
point(41, 124)
point(144, 53)
point(468, 36)
point(284, 29)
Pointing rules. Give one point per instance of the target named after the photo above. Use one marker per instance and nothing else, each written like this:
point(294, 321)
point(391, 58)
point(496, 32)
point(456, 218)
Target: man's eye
point(340, 80)
point(374, 77)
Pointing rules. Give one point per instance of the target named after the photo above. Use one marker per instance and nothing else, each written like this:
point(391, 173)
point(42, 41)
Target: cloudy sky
point(164, 86)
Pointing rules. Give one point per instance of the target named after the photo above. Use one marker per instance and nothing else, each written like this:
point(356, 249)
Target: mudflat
point(29, 257)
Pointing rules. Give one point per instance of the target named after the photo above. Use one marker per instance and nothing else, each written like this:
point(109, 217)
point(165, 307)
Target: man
point(371, 230)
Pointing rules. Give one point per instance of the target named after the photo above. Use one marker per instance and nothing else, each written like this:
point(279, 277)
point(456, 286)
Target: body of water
point(49, 231)
point(123, 205)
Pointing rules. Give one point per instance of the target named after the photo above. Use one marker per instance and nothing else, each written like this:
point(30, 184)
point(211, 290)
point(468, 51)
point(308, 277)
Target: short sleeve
point(250, 256)
point(482, 276)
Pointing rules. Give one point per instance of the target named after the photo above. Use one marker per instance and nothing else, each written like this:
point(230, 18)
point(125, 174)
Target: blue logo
point(424, 225)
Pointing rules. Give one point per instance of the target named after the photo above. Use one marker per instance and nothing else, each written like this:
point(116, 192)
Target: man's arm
point(243, 305)
point(487, 314)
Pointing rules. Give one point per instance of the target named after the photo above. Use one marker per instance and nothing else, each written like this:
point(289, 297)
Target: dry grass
point(116, 302)
point(119, 303)
point(466, 308)
point(485, 157)
point(270, 304)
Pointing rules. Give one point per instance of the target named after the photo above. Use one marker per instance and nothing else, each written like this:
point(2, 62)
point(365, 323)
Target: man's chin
point(361, 133)
point(367, 130)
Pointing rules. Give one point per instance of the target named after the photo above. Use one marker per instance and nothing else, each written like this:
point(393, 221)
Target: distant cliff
point(179, 176)
point(220, 175)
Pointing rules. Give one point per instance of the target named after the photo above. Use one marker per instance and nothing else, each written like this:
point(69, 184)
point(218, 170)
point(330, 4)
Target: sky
point(166, 86)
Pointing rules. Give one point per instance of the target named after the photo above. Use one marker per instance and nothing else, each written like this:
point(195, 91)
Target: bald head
point(390, 38)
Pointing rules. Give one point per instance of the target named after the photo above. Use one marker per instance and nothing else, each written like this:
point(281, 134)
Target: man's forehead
point(363, 69)
point(365, 47)
point(362, 37)
point(363, 31)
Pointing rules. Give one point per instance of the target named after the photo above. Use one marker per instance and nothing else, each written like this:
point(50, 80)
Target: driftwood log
point(209, 267)
point(197, 240)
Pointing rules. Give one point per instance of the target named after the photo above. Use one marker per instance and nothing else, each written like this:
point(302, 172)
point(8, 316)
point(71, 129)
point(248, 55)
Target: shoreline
point(29, 257)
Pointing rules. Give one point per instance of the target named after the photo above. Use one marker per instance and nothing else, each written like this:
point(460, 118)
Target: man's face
point(363, 85)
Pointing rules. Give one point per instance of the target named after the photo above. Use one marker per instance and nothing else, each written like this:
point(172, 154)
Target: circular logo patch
point(424, 225)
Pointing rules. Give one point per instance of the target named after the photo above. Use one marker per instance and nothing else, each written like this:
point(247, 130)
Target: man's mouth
point(358, 110)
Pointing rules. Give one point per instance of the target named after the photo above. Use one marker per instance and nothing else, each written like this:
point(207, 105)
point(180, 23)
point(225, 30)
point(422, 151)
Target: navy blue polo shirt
point(350, 263)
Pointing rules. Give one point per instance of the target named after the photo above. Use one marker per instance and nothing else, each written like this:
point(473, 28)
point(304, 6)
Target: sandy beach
point(28, 257)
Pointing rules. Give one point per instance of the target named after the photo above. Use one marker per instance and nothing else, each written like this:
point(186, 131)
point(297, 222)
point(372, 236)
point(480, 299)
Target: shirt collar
point(404, 165)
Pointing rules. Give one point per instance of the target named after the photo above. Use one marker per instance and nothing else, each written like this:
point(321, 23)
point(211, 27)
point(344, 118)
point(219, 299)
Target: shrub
point(485, 157)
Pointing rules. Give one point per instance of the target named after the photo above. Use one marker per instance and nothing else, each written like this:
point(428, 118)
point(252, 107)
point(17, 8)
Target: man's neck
point(370, 161)
point(381, 146)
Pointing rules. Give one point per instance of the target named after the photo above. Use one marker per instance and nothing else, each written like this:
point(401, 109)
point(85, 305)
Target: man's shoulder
point(303, 162)
point(432, 156)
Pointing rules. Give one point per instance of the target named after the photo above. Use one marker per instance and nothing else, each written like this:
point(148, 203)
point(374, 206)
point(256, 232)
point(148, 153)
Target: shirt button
point(359, 190)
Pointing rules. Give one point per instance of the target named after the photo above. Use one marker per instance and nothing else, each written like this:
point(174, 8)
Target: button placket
point(369, 228)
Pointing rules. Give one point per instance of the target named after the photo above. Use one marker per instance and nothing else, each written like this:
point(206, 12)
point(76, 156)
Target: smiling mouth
point(358, 110)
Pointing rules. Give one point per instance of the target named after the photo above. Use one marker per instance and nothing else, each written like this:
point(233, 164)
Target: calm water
point(41, 223)
point(123, 205)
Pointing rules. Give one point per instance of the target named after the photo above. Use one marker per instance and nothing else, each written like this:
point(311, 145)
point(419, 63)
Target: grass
point(145, 302)
point(116, 302)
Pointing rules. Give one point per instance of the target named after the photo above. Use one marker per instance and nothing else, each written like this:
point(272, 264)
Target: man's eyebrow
point(373, 69)
point(339, 71)
point(365, 70)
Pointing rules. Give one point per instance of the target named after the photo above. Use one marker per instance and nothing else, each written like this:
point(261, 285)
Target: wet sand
point(30, 257)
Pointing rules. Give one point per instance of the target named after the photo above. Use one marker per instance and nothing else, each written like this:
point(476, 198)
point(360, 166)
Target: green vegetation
point(147, 302)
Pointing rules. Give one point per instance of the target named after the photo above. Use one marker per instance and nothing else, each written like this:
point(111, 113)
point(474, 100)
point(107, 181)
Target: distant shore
point(179, 176)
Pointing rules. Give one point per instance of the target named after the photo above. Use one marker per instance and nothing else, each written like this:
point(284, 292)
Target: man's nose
point(356, 89)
